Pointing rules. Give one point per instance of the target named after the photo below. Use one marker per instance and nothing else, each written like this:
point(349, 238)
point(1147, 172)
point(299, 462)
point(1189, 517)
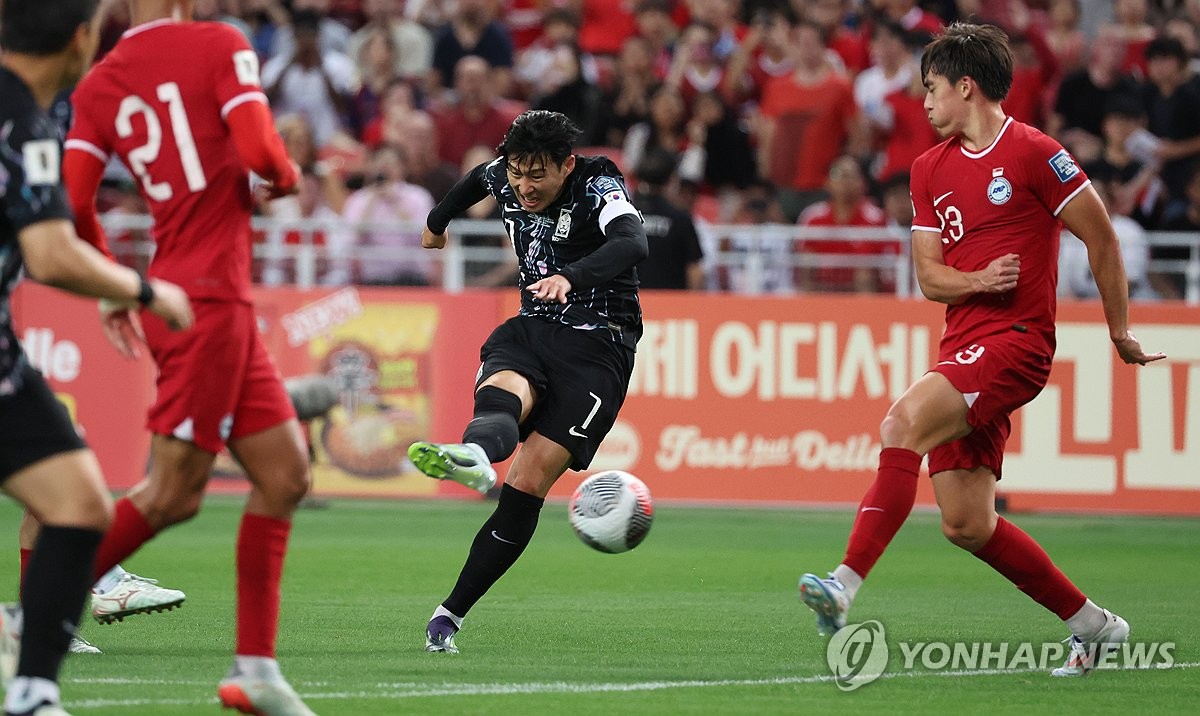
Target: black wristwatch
point(145, 292)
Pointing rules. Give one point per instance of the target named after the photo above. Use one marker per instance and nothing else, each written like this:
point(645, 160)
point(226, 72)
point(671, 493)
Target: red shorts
point(216, 381)
point(996, 375)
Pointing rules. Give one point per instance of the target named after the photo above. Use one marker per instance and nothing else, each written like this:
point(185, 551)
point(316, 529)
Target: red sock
point(883, 509)
point(129, 531)
point(261, 546)
point(1023, 562)
point(25, 555)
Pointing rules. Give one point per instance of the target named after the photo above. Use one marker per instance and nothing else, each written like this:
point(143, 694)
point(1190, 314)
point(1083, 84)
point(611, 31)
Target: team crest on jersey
point(999, 191)
point(563, 228)
point(1064, 166)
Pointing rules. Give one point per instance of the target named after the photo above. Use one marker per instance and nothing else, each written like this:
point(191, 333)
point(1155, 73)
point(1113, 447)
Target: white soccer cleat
point(1084, 654)
point(10, 641)
point(134, 595)
point(265, 693)
point(826, 597)
point(79, 645)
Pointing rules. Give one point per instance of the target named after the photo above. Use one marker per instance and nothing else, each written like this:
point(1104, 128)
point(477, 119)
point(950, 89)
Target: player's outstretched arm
point(465, 193)
point(1086, 217)
point(948, 285)
point(55, 256)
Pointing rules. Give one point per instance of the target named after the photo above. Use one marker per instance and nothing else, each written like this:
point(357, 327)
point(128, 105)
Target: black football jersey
point(30, 192)
point(569, 229)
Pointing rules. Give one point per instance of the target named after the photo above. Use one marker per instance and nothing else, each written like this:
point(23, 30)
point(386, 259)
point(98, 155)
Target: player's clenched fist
point(430, 240)
point(1001, 274)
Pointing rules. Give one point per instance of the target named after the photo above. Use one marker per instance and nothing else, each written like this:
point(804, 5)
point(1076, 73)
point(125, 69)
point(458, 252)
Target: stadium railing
point(753, 259)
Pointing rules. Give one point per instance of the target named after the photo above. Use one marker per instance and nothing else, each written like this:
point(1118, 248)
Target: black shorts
point(34, 425)
point(580, 378)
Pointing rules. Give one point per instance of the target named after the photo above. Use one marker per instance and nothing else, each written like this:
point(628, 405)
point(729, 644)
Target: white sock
point(444, 612)
point(849, 579)
point(260, 667)
point(110, 580)
point(1088, 621)
point(26, 692)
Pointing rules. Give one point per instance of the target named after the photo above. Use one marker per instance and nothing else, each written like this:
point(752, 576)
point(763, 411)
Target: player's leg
point(112, 585)
point(276, 463)
point(502, 402)
point(172, 492)
point(931, 412)
point(967, 501)
point(503, 537)
point(67, 492)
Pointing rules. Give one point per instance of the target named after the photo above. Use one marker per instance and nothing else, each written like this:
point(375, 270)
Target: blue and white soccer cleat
point(465, 463)
point(826, 597)
point(439, 635)
point(1084, 654)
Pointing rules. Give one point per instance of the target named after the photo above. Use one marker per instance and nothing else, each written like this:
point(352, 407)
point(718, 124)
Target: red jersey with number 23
point(1003, 199)
point(158, 101)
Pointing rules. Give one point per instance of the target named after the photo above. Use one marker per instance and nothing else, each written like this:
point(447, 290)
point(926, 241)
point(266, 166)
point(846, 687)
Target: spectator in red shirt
point(761, 55)
point(904, 127)
point(606, 25)
point(477, 117)
point(807, 120)
point(696, 68)
point(847, 206)
point(851, 46)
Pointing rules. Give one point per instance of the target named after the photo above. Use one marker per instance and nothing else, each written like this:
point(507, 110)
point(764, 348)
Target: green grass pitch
point(701, 619)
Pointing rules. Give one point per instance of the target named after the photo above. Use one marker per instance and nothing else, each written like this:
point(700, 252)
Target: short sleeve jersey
point(566, 231)
point(1001, 200)
point(30, 192)
point(158, 101)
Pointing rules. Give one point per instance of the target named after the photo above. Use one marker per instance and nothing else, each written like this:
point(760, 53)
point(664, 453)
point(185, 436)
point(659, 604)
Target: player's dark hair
point(980, 52)
point(42, 27)
point(539, 135)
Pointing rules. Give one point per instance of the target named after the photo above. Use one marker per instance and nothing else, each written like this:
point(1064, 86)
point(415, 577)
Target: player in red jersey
point(180, 104)
point(989, 203)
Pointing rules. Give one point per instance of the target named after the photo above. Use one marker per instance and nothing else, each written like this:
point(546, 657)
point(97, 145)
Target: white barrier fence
point(754, 258)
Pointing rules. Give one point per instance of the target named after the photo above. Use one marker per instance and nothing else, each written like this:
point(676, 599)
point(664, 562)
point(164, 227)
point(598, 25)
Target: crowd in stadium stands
point(804, 111)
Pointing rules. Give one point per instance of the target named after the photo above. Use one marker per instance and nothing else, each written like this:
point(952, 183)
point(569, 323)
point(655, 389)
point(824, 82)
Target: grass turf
point(702, 618)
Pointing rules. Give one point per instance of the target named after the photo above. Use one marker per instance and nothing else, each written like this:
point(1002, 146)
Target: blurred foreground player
point(180, 104)
point(43, 462)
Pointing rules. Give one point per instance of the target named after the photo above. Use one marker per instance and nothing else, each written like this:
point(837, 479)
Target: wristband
point(145, 292)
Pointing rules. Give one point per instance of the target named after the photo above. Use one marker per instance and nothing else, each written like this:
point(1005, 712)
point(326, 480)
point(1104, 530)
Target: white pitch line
point(387, 691)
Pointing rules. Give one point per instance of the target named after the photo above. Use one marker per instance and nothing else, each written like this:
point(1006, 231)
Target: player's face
point(943, 104)
point(538, 181)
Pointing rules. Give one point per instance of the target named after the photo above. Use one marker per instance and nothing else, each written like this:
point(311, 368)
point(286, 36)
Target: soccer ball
point(611, 511)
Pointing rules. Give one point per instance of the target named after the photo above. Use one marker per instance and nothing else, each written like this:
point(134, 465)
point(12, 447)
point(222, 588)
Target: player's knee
point(896, 429)
point(294, 485)
point(967, 533)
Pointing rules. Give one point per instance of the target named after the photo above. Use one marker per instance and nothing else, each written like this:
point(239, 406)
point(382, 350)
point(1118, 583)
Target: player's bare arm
point(948, 285)
point(56, 257)
point(1086, 217)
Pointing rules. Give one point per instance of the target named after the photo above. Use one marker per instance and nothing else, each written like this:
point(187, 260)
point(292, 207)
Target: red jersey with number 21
point(158, 101)
point(1002, 200)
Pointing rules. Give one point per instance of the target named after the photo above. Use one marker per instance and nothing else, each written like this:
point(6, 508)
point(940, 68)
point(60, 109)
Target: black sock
point(56, 586)
point(500, 541)
point(494, 427)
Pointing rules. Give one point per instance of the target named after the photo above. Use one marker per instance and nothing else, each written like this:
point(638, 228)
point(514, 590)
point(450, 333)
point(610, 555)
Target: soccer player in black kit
point(555, 375)
point(44, 464)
